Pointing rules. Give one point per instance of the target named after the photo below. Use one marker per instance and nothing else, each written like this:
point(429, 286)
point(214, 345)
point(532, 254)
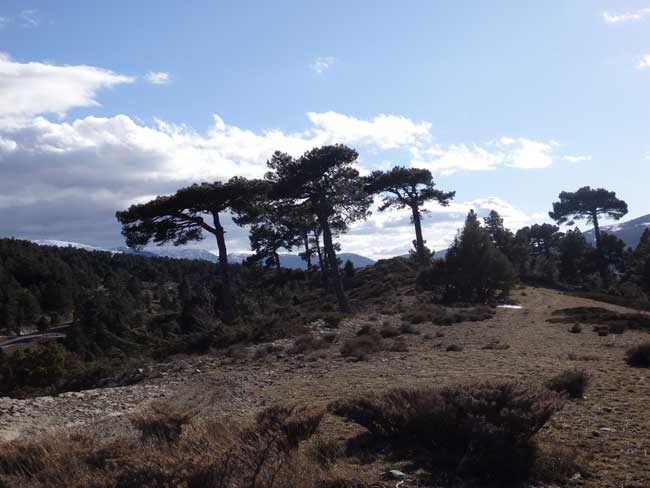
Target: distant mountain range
point(629, 232)
point(292, 261)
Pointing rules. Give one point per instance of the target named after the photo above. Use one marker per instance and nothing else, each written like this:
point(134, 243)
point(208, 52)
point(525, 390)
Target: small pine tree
point(348, 269)
point(476, 269)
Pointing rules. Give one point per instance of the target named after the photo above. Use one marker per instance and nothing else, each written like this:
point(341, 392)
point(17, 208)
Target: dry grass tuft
point(264, 454)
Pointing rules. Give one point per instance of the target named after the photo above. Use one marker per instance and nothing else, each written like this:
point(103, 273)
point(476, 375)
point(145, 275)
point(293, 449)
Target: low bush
point(333, 319)
point(575, 329)
point(482, 430)
point(325, 451)
point(454, 348)
point(162, 422)
point(306, 343)
point(361, 347)
point(572, 382)
point(365, 329)
point(389, 331)
point(263, 454)
point(439, 315)
point(398, 345)
point(639, 356)
point(408, 329)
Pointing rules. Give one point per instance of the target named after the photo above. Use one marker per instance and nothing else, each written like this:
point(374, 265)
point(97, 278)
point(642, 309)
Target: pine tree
point(323, 183)
point(590, 204)
point(476, 269)
point(180, 218)
point(408, 187)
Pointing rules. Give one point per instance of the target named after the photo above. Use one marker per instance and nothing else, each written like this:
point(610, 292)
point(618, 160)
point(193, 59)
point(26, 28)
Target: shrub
point(389, 331)
point(333, 320)
point(573, 382)
point(306, 343)
point(482, 430)
point(162, 422)
point(454, 348)
point(365, 329)
point(325, 451)
point(264, 454)
point(639, 356)
point(408, 329)
point(575, 329)
point(398, 345)
point(361, 347)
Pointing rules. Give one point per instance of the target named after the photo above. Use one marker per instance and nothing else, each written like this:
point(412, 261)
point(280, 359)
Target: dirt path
point(610, 426)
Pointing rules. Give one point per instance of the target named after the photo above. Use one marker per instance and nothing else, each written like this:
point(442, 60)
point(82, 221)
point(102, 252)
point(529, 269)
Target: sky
point(105, 104)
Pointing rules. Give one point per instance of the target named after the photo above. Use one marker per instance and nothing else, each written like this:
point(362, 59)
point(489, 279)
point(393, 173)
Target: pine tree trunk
point(307, 253)
point(276, 256)
point(602, 262)
point(344, 305)
point(419, 241)
point(321, 260)
point(226, 291)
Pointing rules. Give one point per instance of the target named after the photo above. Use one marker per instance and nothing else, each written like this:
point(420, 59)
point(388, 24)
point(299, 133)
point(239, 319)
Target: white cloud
point(384, 131)
point(4, 21)
point(626, 16)
point(644, 62)
point(322, 64)
point(27, 89)
point(390, 233)
point(158, 77)
point(65, 179)
point(576, 159)
point(507, 151)
point(29, 18)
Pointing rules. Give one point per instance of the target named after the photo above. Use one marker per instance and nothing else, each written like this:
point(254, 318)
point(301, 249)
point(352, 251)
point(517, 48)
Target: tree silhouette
point(408, 187)
point(324, 183)
point(274, 226)
point(541, 238)
point(181, 218)
point(590, 204)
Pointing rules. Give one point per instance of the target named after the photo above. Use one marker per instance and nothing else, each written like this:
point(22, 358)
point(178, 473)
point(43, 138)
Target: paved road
point(53, 333)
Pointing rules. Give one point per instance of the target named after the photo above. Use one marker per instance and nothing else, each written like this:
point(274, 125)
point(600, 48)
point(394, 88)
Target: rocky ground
point(609, 427)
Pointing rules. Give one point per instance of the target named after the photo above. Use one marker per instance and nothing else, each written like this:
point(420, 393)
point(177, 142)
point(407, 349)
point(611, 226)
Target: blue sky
point(508, 103)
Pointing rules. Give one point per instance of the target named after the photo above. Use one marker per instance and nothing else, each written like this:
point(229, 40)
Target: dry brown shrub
point(209, 454)
point(162, 422)
point(483, 430)
point(361, 347)
point(573, 382)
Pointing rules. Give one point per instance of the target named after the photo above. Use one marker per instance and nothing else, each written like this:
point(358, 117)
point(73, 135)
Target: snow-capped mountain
point(292, 261)
point(629, 232)
point(76, 245)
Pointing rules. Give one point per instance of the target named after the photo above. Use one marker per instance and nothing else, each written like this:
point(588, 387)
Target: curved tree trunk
point(276, 257)
point(419, 240)
point(305, 240)
point(344, 305)
point(321, 261)
point(226, 291)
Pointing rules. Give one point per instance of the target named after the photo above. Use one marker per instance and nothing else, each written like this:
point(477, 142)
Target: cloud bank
point(63, 179)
